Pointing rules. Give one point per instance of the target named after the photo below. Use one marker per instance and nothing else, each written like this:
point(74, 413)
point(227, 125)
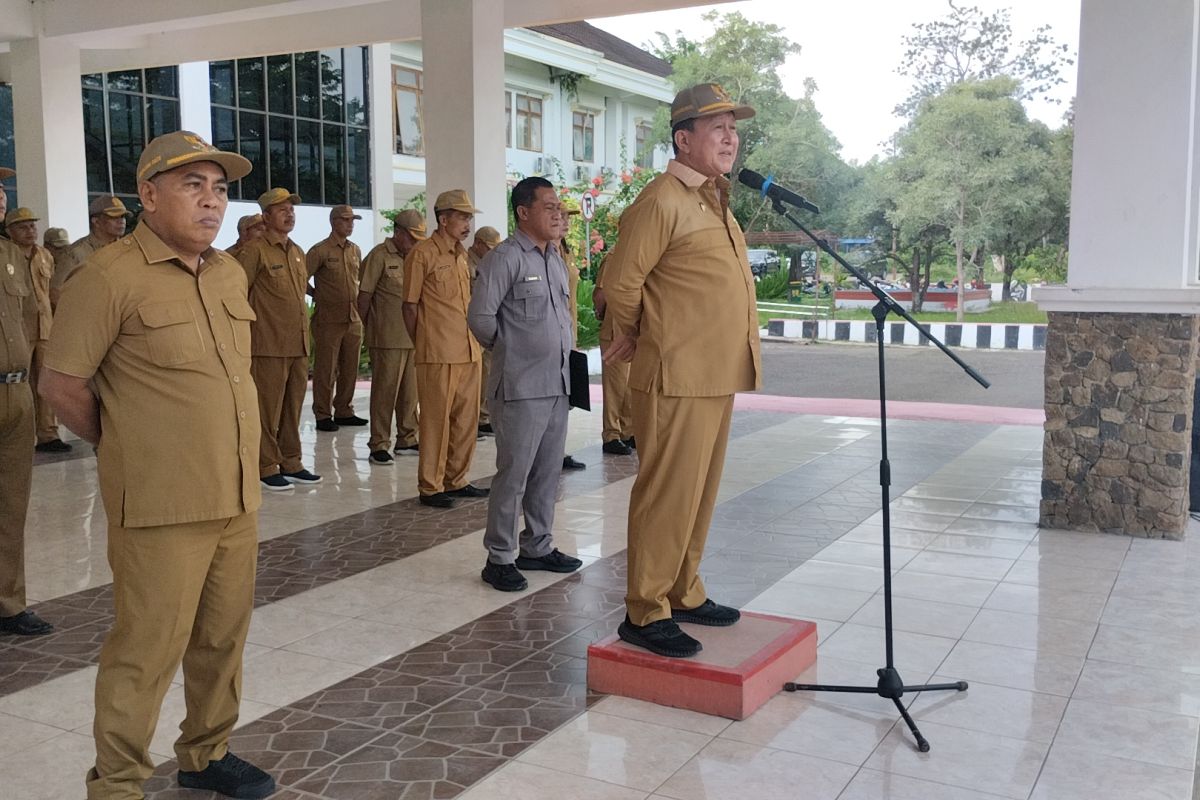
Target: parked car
point(763, 261)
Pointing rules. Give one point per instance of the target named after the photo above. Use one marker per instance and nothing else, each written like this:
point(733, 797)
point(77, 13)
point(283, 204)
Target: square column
point(463, 47)
point(48, 123)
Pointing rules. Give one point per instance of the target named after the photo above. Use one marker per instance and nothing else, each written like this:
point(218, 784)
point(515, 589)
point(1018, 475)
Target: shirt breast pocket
point(533, 298)
point(240, 316)
point(172, 335)
point(15, 287)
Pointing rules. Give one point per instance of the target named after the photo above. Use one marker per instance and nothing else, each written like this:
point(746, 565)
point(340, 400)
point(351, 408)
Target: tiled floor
point(379, 666)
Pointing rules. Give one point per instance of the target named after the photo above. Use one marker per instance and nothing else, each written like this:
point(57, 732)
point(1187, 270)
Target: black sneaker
point(554, 561)
point(53, 446)
point(571, 463)
point(327, 425)
point(410, 450)
point(661, 637)
point(707, 613)
point(301, 476)
point(437, 500)
point(615, 447)
point(382, 457)
point(504, 577)
point(352, 421)
point(26, 623)
point(232, 777)
point(275, 483)
point(486, 429)
point(631, 443)
point(469, 490)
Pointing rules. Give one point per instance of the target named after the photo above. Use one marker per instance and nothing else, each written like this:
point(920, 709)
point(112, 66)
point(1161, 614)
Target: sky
point(851, 48)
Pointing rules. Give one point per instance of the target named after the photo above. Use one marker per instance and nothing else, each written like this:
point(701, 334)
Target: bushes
point(772, 286)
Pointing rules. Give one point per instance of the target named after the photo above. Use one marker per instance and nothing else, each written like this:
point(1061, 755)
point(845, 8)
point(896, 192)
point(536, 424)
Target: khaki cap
point(488, 235)
point(570, 206)
point(412, 221)
point(5, 172)
point(455, 199)
point(56, 237)
point(272, 197)
point(248, 221)
point(342, 212)
point(175, 149)
point(21, 214)
point(107, 205)
point(703, 100)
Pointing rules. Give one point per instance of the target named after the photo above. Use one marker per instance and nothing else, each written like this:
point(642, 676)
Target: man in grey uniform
point(520, 312)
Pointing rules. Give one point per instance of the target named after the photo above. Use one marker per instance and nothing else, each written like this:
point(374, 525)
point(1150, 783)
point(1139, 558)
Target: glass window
point(354, 78)
point(127, 139)
point(529, 123)
point(331, 86)
point(251, 144)
point(251, 93)
point(583, 136)
point(163, 81)
point(508, 100)
point(129, 80)
point(221, 83)
point(283, 157)
point(280, 94)
point(644, 150)
point(95, 141)
point(358, 156)
point(334, 164)
point(162, 116)
point(408, 123)
point(308, 86)
point(94, 81)
point(308, 160)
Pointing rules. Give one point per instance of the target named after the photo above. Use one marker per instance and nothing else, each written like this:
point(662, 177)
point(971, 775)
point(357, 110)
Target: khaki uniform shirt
point(40, 268)
point(15, 348)
point(383, 279)
point(276, 276)
point(473, 265)
point(437, 279)
point(74, 256)
point(679, 279)
point(168, 352)
point(335, 265)
point(606, 323)
point(234, 249)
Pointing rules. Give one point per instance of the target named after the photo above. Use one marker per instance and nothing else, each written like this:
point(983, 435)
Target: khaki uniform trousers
point(281, 383)
point(449, 395)
point(681, 453)
point(614, 377)
point(393, 394)
point(46, 422)
point(335, 362)
point(180, 592)
point(485, 417)
point(16, 471)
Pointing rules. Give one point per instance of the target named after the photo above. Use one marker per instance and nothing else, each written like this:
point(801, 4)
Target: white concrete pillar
point(383, 189)
point(48, 126)
point(463, 46)
point(195, 99)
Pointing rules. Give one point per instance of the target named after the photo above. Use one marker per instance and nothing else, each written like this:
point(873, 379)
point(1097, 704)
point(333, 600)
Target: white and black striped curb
point(979, 335)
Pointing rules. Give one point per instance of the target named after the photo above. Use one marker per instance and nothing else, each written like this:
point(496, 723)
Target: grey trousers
point(531, 436)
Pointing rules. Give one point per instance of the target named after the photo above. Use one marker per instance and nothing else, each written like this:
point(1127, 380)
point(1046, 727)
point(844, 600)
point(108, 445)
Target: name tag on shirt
point(529, 278)
point(277, 266)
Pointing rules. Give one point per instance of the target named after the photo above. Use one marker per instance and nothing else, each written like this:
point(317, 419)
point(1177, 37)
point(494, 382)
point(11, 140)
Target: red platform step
point(739, 669)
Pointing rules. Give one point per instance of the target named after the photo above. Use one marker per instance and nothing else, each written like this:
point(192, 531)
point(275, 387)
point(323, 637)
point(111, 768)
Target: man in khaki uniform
point(437, 291)
point(334, 263)
point(56, 240)
point(106, 216)
point(150, 361)
point(617, 434)
point(21, 225)
point(486, 239)
point(16, 435)
point(277, 277)
point(393, 370)
point(681, 298)
point(250, 228)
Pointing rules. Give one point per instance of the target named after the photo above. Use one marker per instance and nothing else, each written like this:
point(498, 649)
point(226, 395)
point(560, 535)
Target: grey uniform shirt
point(520, 311)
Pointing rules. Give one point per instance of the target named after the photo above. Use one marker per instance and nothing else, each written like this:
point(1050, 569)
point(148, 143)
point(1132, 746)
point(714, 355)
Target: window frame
point(580, 118)
point(417, 89)
point(529, 114)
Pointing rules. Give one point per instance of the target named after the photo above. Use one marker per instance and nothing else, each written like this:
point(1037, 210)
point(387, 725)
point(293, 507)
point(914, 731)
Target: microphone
point(768, 188)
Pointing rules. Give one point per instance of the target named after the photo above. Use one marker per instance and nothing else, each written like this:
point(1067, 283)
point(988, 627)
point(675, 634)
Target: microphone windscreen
point(749, 177)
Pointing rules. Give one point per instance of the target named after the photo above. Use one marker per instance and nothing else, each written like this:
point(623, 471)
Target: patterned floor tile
point(457, 659)
point(380, 698)
point(493, 722)
point(547, 675)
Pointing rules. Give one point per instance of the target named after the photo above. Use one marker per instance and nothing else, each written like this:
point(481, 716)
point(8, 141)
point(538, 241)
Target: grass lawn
point(1011, 313)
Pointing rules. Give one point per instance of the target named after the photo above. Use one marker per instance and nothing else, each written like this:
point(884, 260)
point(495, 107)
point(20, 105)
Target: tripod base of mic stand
point(891, 687)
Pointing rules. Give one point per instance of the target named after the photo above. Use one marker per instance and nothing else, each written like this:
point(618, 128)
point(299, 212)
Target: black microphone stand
point(889, 685)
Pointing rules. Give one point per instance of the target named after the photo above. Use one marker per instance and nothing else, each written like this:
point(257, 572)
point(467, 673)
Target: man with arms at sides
point(393, 371)
point(334, 263)
point(681, 298)
point(486, 238)
point(437, 289)
point(159, 325)
point(21, 225)
point(106, 217)
point(277, 277)
point(250, 228)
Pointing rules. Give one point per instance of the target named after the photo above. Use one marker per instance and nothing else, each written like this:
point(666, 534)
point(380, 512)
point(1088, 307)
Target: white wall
point(312, 225)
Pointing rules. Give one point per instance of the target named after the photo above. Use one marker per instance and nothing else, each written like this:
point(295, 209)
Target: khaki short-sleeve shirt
point(168, 352)
point(335, 266)
point(73, 257)
point(40, 266)
point(277, 276)
point(679, 279)
point(383, 279)
point(438, 280)
point(15, 294)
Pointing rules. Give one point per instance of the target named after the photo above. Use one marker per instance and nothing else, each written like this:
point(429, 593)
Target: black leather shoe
point(381, 457)
point(437, 500)
point(571, 463)
point(615, 447)
point(353, 421)
point(661, 637)
point(554, 561)
point(707, 613)
point(469, 490)
point(232, 777)
point(327, 425)
point(505, 577)
point(53, 446)
point(486, 429)
point(631, 443)
point(26, 623)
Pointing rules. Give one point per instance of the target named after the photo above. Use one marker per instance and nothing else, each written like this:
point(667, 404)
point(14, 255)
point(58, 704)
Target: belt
point(20, 376)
